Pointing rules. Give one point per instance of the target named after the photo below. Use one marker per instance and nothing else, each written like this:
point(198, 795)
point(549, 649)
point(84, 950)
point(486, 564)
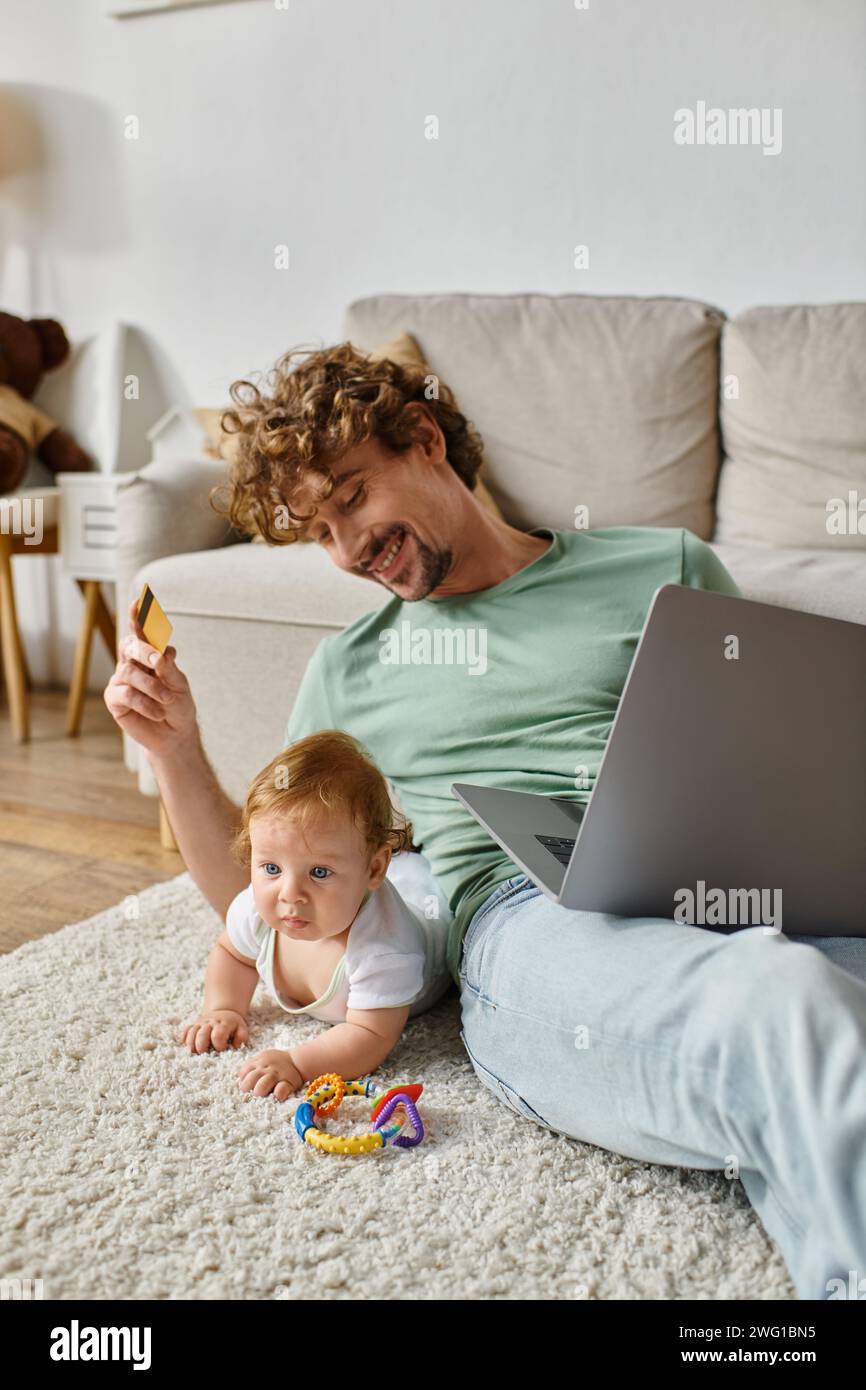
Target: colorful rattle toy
point(324, 1095)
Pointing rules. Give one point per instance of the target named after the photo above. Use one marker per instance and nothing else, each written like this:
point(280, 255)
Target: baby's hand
point(216, 1028)
point(268, 1071)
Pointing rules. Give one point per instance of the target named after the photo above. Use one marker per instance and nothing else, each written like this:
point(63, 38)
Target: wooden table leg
point(78, 686)
point(166, 835)
point(23, 655)
point(14, 667)
point(96, 614)
point(105, 622)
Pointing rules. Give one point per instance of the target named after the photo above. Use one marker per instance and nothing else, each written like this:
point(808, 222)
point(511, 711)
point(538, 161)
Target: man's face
point(388, 516)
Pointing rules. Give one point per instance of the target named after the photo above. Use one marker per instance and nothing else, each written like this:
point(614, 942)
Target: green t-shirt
point(514, 686)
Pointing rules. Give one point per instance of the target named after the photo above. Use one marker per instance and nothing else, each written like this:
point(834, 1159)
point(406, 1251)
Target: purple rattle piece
point(388, 1109)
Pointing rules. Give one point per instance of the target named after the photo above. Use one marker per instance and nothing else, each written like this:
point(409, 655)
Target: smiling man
point(674, 1044)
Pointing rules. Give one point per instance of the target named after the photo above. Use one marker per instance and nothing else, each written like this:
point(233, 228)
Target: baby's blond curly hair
point(327, 770)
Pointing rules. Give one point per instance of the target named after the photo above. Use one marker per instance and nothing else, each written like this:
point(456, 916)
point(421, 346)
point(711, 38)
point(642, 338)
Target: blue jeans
point(682, 1045)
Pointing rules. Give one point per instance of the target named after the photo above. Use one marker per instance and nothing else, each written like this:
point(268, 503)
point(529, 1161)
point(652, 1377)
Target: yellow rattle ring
point(338, 1089)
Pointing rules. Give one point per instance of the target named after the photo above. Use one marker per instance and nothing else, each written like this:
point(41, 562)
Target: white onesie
point(395, 952)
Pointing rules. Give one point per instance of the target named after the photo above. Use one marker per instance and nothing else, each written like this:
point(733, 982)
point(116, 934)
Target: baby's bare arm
point(229, 985)
point(230, 980)
point(353, 1048)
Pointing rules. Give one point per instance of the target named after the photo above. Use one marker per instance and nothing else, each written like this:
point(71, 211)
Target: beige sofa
point(655, 412)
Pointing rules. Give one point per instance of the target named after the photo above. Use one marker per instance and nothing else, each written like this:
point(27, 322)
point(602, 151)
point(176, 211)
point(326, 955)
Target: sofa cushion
point(264, 583)
point(815, 581)
point(582, 401)
point(794, 432)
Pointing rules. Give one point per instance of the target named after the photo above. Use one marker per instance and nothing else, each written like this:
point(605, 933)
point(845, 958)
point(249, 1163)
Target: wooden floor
point(76, 835)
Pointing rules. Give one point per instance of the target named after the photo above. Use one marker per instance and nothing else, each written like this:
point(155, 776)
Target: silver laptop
point(720, 777)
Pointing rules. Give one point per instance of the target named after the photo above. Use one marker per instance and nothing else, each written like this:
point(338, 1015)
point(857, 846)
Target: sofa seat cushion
point(829, 583)
point(275, 584)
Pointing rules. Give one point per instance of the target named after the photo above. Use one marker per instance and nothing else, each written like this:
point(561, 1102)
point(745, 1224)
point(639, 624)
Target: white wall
point(306, 126)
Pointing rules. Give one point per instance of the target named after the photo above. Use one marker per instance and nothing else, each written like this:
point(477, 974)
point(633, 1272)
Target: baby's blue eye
point(321, 868)
point(271, 866)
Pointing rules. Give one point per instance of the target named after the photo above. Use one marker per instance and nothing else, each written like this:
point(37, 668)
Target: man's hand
point(216, 1028)
point(149, 696)
point(268, 1071)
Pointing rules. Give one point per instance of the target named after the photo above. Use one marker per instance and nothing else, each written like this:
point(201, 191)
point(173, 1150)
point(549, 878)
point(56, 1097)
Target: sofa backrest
point(607, 403)
point(793, 422)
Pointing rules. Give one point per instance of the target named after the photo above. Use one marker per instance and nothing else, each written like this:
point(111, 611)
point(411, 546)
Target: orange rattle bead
point(335, 1080)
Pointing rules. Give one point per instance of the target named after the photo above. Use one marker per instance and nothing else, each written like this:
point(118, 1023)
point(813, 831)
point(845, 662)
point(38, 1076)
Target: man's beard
point(434, 564)
point(432, 567)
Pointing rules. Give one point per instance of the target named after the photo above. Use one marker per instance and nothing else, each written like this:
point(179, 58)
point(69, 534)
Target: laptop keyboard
point(560, 846)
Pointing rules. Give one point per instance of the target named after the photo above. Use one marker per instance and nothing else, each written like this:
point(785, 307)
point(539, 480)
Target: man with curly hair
point(678, 1046)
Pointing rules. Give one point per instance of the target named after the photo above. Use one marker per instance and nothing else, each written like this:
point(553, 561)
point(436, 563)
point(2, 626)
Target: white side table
point(88, 545)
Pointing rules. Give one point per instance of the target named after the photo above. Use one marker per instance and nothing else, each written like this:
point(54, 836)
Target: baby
point(333, 925)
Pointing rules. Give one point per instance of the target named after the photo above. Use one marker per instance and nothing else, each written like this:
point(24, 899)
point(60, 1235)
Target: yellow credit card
point(155, 625)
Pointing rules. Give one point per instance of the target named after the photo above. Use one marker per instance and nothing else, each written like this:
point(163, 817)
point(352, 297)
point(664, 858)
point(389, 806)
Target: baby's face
point(310, 886)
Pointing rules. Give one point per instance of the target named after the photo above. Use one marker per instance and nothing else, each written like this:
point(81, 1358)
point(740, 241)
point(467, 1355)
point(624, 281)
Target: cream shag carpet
point(133, 1170)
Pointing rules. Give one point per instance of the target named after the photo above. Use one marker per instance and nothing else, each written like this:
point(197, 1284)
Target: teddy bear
point(28, 348)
